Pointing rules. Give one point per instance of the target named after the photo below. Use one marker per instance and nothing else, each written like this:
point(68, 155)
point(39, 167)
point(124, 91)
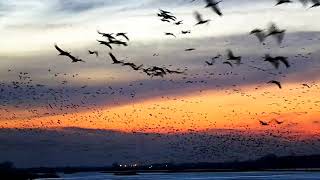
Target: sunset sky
point(46, 93)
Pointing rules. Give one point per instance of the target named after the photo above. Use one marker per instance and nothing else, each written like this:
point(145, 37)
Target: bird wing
point(228, 63)
point(306, 85)
point(272, 27)
point(230, 53)
point(280, 37)
point(261, 36)
point(217, 10)
point(99, 32)
point(59, 49)
point(198, 16)
point(114, 59)
point(276, 83)
point(285, 61)
point(125, 36)
point(304, 2)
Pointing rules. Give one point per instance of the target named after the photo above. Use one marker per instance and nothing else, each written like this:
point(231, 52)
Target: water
point(195, 176)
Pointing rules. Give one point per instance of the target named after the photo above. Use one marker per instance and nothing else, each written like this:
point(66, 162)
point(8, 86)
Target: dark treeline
point(269, 162)
point(9, 171)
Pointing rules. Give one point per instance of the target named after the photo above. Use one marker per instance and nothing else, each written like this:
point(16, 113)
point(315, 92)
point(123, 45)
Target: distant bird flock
point(229, 59)
point(272, 31)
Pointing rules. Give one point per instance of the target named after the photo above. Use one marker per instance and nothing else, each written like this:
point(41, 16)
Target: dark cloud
point(84, 147)
point(77, 6)
point(201, 77)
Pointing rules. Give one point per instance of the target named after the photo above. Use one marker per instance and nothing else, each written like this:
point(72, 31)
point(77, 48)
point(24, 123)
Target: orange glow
point(240, 109)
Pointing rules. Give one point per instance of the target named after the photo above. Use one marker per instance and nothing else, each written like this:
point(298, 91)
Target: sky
point(45, 97)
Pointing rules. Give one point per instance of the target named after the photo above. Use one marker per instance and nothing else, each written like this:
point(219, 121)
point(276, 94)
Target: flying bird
point(306, 85)
point(232, 57)
point(114, 59)
point(214, 5)
point(123, 35)
point(272, 60)
point(185, 32)
point(284, 60)
point(170, 34)
point(283, 2)
point(178, 23)
point(64, 53)
point(275, 61)
point(276, 33)
point(276, 83)
point(200, 19)
point(316, 3)
point(210, 63)
point(190, 49)
point(94, 52)
point(107, 35)
point(277, 121)
point(228, 63)
point(262, 123)
point(260, 34)
point(105, 43)
point(117, 42)
point(173, 71)
point(132, 65)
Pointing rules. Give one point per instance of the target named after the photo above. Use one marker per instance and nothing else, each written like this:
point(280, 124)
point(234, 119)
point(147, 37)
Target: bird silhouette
point(165, 20)
point(232, 57)
point(94, 52)
point(277, 121)
point(105, 43)
point(200, 19)
point(123, 35)
point(284, 60)
point(164, 12)
point(133, 66)
point(275, 61)
point(228, 63)
point(304, 2)
point(166, 16)
point(262, 123)
point(64, 53)
point(306, 85)
point(260, 34)
point(283, 2)
point(107, 35)
point(114, 59)
point(185, 32)
point(210, 63)
point(276, 33)
point(170, 34)
point(316, 3)
point(118, 42)
point(214, 5)
point(276, 83)
point(178, 23)
point(174, 71)
point(272, 60)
